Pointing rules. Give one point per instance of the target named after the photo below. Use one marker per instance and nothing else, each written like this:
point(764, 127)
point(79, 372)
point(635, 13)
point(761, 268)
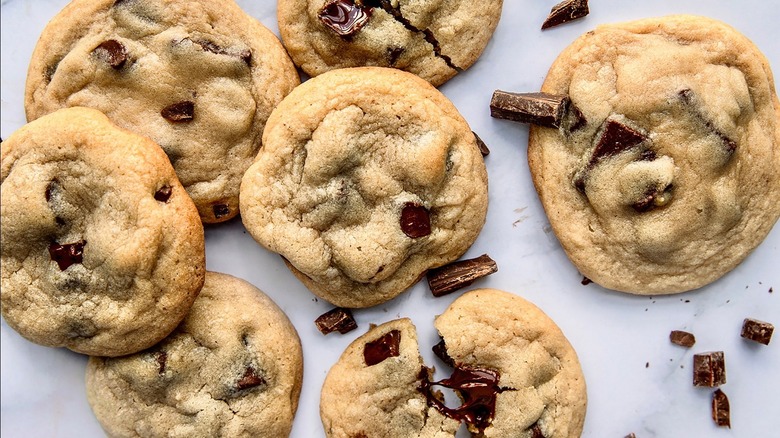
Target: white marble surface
point(637, 381)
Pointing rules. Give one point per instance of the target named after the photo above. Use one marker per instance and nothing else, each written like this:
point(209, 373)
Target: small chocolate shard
point(709, 369)
point(67, 254)
point(112, 52)
point(536, 431)
point(338, 319)
point(415, 220)
point(721, 411)
point(682, 338)
point(757, 331)
point(210, 46)
point(541, 109)
point(220, 210)
point(440, 350)
point(179, 112)
point(483, 149)
point(566, 11)
point(344, 17)
point(688, 97)
point(384, 347)
point(250, 379)
point(457, 275)
point(163, 193)
point(161, 358)
point(615, 138)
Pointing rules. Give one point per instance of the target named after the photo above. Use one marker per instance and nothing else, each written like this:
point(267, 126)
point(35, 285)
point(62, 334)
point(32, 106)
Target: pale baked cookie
point(515, 372)
point(233, 368)
point(675, 175)
point(199, 77)
point(102, 249)
point(432, 39)
point(367, 178)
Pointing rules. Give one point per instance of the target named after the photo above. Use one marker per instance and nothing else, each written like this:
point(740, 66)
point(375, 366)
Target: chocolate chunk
point(653, 198)
point(161, 358)
point(51, 189)
point(179, 112)
point(615, 138)
point(163, 193)
point(220, 210)
point(250, 379)
point(338, 319)
point(586, 281)
point(477, 387)
point(688, 97)
point(210, 46)
point(415, 220)
point(721, 411)
point(483, 149)
point(384, 347)
point(449, 278)
point(393, 53)
point(566, 11)
point(709, 369)
point(536, 431)
point(682, 338)
point(757, 331)
point(541, 109)
point(440, 350)
point(344, 16)
point(112, 52)
point(67, 254)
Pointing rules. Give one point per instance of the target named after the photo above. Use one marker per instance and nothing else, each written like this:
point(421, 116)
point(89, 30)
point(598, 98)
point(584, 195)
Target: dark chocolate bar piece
point(338, 319)
point(566, 11)
point(758, 331)
point(721, 412)
point(682, 338)
point(541, 109)
point(615, 138)
point(449, 278)
point(709, 369)
point(385, 347)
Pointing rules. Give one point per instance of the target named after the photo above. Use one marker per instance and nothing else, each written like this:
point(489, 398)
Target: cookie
point(433, 39)
point(514, 372)
point(367, 178)
point(674, 176)
point(232, 368)
point(198, 77)
point(102, 249)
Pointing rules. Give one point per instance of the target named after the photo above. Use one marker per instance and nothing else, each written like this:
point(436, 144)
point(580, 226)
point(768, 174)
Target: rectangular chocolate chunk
point(709, 369)
point(682, 338)
point(541, 109)
point(566, 11)
point(721, 412)
point(449, 278)
point(338, 319)
point(758, 331)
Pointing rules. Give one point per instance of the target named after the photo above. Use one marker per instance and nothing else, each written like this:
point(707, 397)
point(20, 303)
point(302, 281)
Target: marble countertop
point(637, 380)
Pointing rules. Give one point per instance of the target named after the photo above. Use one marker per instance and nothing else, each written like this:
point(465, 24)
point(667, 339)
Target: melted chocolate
point(67, 254)
point(344, 16)
point(440, 350)
point(415, 220)
point(385, 347)
point(478, 387)
point(250, 379)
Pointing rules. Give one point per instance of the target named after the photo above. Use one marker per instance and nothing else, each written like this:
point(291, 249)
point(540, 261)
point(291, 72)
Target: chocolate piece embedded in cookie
point(757, 331)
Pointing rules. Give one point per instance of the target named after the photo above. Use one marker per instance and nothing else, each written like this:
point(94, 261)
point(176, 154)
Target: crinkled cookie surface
point(232, 369)
point(432, 39)
point(517, 375)
point(675, 177)
point(198, 77)
point(368, 177)
point(102, 249)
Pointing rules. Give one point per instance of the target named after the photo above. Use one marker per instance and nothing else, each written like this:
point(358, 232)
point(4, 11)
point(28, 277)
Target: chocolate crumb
point(338, 319)
point(457, 275)
point(542, 109)
point(179, 112)
point(709, 369)
point(721, 411)
point(757, 331)
point(682, 338)
point(566, 11)
point(440, 350)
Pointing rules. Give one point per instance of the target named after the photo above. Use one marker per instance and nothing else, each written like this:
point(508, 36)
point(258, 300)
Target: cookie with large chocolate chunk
point(514, 374)
point(102, 250)
point(232, 368)
point(674, 178)
point(432, 39)
point(368, 177)
point(198, 77)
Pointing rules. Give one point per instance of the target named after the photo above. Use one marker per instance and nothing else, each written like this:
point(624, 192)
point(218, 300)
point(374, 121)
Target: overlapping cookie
point(433, 39)
point(199, 77)
point(514, 372)
point(672, 174)
point(368, 178)
point(102, 249)
point(233, 368)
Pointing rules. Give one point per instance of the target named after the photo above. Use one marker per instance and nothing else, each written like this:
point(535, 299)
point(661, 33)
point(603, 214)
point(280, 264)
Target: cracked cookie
point(198, 77)
point(513, 374)
point(102, 249)
point(368, 177)
point(232, 368)
point(674, 177)
point(432, 39)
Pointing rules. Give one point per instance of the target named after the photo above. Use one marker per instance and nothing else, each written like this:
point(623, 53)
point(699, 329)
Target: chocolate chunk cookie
point(432, 39)
point(232, 368)
point(675, 175)
point(102, 249)
point(198, 77)
point(367, 178)
point(514, 373)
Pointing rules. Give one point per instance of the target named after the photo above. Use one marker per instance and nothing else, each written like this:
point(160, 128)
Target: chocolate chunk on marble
point(757, 331)
point(566, 11)
point(338, 319)
point(449, 278)
point(682, 338)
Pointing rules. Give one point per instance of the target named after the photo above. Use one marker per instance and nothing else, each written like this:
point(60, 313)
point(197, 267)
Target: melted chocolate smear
point(615, 139)
point(385, 347)
point(220, 210)
point(179, 112)
point(163, 194)
point(478, 387)
point(415, 220)
point(67, 254)
point(344, 16)
point(440, 350)
point(250, 379)
point(113, 53)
